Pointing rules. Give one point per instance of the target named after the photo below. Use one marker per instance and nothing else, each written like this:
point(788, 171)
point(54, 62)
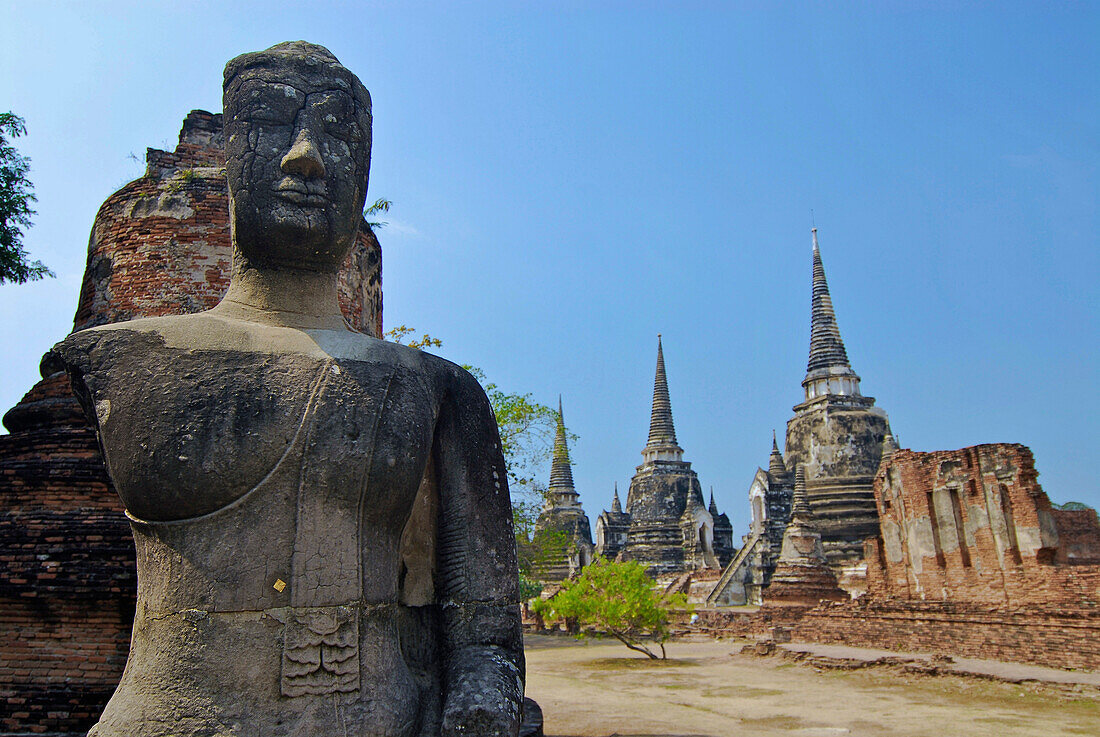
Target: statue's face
point(298, 156)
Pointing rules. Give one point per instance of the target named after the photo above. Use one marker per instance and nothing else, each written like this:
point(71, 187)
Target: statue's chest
point(187, 433)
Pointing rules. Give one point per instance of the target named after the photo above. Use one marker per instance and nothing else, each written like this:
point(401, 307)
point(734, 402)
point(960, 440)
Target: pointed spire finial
point(713, 507)
point(777, 469)
point(692, 502)
point(616, 507)
point(561, 469)
point(827, 370)
point(662, 433)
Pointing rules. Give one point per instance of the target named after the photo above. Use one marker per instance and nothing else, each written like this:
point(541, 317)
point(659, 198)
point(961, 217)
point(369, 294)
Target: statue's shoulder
point(85, 349)
point(448, 378)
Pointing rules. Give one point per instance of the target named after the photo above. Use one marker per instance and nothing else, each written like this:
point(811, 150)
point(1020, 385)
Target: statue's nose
point(303, 157)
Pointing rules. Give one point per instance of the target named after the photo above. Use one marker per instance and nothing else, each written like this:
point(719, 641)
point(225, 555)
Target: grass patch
point(636, 663)
point(780, 721)
point(751, 692)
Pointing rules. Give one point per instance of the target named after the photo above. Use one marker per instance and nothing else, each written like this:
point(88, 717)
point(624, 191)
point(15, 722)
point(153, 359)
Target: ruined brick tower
point(563, 516)
point(159, 246)
point(670, 528)
point(836, 436)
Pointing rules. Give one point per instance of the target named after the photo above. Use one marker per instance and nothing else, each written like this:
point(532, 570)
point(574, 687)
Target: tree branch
point(633, 646)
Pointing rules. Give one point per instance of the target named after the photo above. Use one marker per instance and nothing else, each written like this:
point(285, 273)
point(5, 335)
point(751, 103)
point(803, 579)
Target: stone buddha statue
point(322, 522)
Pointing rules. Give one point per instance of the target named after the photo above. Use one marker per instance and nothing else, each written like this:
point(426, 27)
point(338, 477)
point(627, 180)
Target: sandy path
point(596, 689)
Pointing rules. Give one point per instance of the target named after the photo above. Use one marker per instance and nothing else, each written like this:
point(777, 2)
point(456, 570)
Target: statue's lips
point(299, 195)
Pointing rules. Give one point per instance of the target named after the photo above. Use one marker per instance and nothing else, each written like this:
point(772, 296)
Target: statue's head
point(297, 138)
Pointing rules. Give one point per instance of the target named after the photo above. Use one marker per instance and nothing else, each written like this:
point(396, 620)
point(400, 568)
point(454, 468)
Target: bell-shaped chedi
point(802, 576)
point(670, 528)
point(562, 527)
point(836, 435)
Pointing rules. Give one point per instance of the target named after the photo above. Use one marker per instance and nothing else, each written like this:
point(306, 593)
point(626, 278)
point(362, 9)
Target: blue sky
point(570, 179)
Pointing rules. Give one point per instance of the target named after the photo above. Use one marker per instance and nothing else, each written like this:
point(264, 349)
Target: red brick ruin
point(159, 246)
point(972, 560)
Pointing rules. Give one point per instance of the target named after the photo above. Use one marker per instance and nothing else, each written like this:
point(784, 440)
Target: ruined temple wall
point(67, 581)
point(974, 525)
point(60, 660)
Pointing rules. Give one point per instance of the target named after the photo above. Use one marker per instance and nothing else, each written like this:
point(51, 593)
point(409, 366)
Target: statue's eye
point(347, 132)
point(265, 115)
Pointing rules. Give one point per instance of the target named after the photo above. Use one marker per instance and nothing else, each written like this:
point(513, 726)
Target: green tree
point(401, 332)
point(526, 436)
point(618, 598)
point(380, 205)
point(16, 194)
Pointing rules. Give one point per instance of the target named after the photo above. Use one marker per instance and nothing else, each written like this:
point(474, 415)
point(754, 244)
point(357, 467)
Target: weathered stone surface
point(67, 582)
point(838, 440)
point(322, 520)
point(837, 437)
point(974, 525)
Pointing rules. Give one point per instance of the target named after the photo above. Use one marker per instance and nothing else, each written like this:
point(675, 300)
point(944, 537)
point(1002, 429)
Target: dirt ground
point(597, 688)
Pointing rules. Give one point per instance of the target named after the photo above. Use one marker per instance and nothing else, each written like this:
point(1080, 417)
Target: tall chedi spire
point(827, 370)
point(662, 445)
point(562, 491)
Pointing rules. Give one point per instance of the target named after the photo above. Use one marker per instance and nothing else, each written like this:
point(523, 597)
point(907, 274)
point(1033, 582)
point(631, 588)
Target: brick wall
point(1052, 636)
point(974, 525)
point(973, 561)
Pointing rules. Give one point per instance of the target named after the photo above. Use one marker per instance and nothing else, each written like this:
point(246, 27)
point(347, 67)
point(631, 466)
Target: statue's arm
point(477, 582)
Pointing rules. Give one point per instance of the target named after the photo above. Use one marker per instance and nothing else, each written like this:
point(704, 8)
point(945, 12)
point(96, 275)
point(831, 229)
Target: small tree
point(619, 598)
point(16, 194)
